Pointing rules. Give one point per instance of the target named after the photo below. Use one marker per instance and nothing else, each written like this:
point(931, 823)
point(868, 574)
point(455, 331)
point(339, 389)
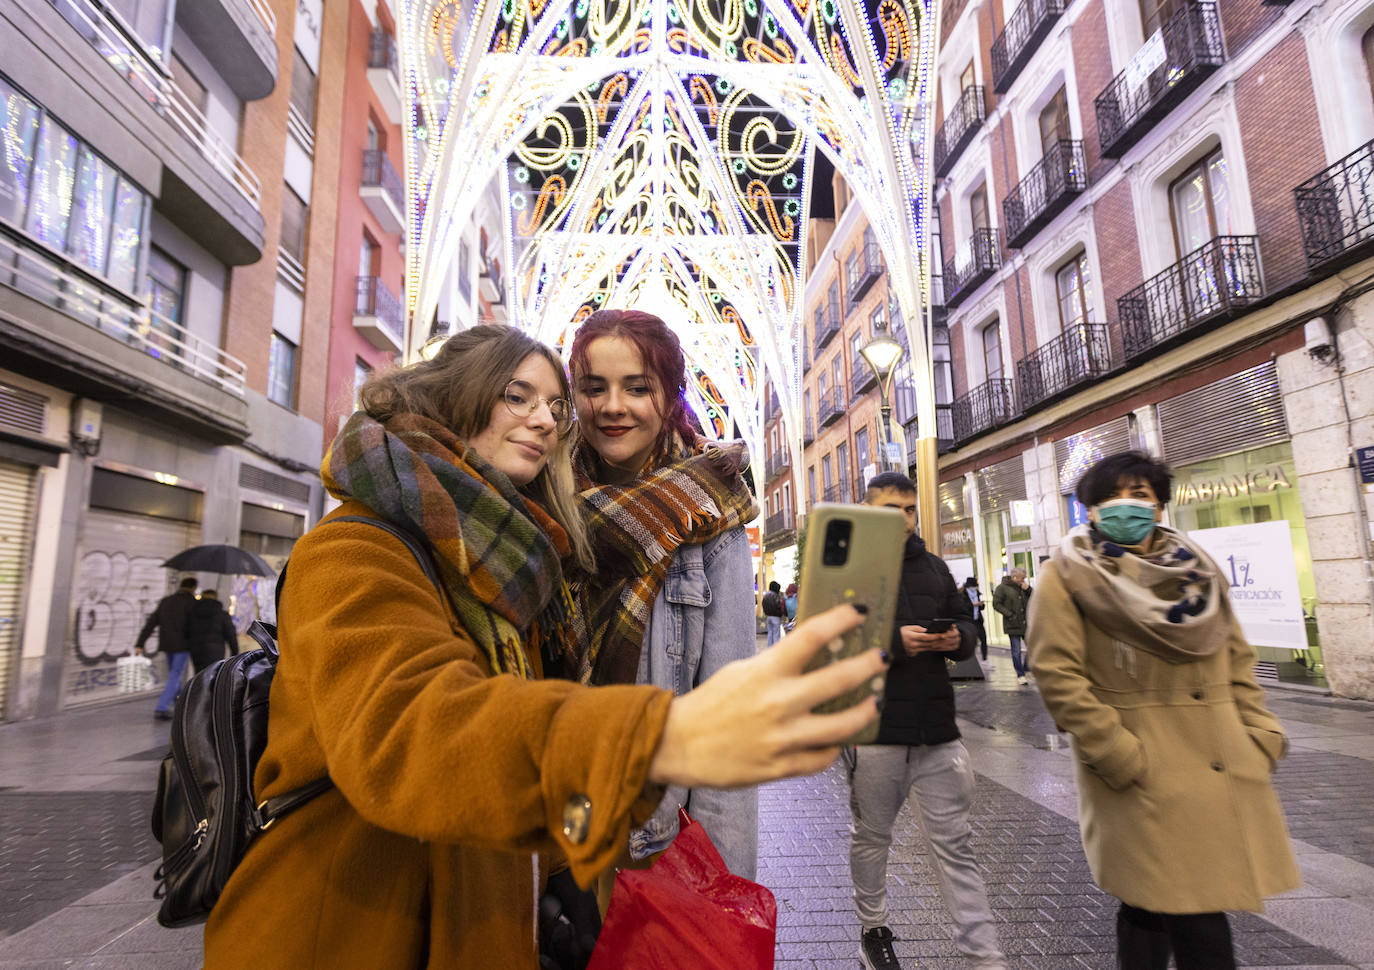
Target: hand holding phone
point(937, 635)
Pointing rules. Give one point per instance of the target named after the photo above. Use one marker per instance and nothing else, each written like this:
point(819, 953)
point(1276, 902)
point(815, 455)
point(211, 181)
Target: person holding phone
point(918, 753)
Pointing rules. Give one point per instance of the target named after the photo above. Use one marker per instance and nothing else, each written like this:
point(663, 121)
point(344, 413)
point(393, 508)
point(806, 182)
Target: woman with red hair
point(673, 600)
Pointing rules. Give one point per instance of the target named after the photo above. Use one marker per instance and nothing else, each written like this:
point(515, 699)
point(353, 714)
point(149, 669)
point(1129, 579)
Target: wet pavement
point(76, 856)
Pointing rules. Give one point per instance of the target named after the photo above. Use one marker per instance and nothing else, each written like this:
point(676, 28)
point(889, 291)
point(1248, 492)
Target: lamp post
point(882, 354)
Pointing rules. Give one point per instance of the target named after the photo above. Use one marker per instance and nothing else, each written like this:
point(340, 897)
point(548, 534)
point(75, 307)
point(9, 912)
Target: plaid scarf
point(635, 528)
point(497, 551)
point(1167, 598)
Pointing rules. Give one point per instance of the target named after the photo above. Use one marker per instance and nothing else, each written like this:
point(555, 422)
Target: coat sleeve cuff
point(1274, 744)
point(1123, 764)
point(595, 772)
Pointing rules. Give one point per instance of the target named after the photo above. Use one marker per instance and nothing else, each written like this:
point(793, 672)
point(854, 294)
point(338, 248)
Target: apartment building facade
point(1156, 234)
point(166, 238)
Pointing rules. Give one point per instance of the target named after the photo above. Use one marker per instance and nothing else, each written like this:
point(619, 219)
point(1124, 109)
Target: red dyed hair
point(659, 349)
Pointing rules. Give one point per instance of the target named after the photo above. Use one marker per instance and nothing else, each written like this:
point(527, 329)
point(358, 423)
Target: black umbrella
point(220, 559)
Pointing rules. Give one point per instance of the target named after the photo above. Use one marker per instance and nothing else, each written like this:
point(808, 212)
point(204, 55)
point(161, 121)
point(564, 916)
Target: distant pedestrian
point(774, 612)
point(1010, 599)
point(918, 755)
point(210, 631)
point(789, 596)
point(170, 618)
point(1137, 653)
point(975, 598)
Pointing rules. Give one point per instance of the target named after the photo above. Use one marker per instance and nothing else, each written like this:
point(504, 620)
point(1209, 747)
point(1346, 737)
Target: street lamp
point(882, 354)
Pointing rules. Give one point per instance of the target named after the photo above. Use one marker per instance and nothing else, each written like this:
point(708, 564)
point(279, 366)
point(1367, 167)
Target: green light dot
point(789, 181)
point(574, 162)
point(517, 202)
point(522, 174)
point(738, 166)
point(723, 86)
point(730, 49)
point(829, 11)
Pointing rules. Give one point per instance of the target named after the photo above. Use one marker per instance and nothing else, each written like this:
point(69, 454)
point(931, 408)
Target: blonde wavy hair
point(460, 387)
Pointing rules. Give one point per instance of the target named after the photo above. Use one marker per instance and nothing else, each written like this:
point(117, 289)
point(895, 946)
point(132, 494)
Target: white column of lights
point(482, 76)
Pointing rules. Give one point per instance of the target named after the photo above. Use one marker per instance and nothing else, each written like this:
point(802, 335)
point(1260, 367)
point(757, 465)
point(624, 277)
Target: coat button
point(1216, 765)
point(577, 818)
point(1197, 695)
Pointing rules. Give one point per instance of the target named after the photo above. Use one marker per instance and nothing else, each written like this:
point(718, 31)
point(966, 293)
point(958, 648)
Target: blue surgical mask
point(1126, 520)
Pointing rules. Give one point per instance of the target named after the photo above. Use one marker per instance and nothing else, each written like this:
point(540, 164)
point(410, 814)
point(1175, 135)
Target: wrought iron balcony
point(1208, 285)
point(973, 266)
point(1171, 64)
point(1045, 191)
point(831, 408)
point(779, 526)
point(1336, 210)
point(862, 379)
point(959, 128)
point(987, 406)
point(944, 432)
point(1023, 33)
point(1074, 357)
point(868, 272)
point(826, 330)
point(839, 492)
point(777, 463)
point(383, 72)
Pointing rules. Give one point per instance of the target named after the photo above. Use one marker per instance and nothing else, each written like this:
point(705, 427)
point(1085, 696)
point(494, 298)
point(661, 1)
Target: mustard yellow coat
point(448, 780)
point(1173, 762)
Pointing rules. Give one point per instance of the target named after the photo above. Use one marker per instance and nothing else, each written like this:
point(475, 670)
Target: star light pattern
point(658, 154)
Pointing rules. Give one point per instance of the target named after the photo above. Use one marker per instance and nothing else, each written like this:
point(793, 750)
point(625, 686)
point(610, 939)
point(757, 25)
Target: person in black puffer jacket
point(918, 754)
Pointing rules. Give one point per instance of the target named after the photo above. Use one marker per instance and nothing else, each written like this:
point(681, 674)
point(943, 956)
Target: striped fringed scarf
point(635, 529)
point(498, 552)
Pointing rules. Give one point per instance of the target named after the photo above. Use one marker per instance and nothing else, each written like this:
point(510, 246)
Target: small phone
point(853, 555)
point(939, 624)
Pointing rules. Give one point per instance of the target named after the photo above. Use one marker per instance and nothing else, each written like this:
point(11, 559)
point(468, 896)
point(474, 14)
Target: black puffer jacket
point(918, 705)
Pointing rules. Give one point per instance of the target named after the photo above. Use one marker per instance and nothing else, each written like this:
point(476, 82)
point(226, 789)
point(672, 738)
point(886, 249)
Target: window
point(1200, 202)
point(293, 219)
point(65, 195)
point(1367, 51)
point(787, 501)
point(1154, 14)
point(773, 440)
point(833, 301)
point(978, 208)
point(943, 366)
point(966, 78)
point(837, 377)
point(851, 269)
point(992, 352)
point(148, 20)
point(820, 388)
point(827, 476)
point(842, 466)
point(368, 257)
point(1054, 122)
point(856, 359)
point(374, 137)
point(861, 455)
point(361, 375)
point(303, 89)
point(1074, 286)
point(193, 89)
point(806, 404)
point(811, 483)
point(166, 287)
point(877, 320)
point(281, 371)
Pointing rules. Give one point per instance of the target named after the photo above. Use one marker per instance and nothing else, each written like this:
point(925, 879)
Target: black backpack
point(774, 605)
point(204, 813)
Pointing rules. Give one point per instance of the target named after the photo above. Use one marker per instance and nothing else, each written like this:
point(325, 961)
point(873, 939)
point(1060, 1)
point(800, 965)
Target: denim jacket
point(703, 619)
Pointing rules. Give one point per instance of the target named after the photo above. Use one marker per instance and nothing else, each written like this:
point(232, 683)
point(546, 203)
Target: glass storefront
point(1008, 547)
point(1233, 501)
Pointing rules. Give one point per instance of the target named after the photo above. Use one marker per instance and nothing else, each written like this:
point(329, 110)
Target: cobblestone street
point(76, 858)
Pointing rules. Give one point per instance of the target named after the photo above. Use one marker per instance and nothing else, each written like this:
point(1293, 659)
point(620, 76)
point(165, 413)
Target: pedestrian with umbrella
point(210, 631)
point(170, 619)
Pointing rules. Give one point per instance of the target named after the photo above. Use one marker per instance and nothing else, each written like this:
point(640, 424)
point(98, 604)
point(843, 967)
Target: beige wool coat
point(1175, 803)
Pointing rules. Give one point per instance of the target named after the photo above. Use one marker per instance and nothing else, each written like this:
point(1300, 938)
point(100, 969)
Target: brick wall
point(957, 358)
point(1243, 20)
point(1282, 141)
point(1093, 69)
point(1118, 250)
point(1020, 320)
point(1002, 149)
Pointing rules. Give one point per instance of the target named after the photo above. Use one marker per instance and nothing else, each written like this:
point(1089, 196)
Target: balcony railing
point(376, 301)
point(959, 128)
point(831, 407)
point(1045, 191)
point(777, 463)
point(831, 326)
point(65, 287)
point(862, 379)
point(1336, 209)
point(808, 431)
point(987, 406)
point(839, 492)
point(944, 432)
point(265, 14)
point(381, 51)
point(869, 269)
point(1080, 354)
point(972, 267)
point(779, 524)
point(1209, 284)
point(115, 41)
point(1023, 33)
point(380, 174)
point(1171, 64)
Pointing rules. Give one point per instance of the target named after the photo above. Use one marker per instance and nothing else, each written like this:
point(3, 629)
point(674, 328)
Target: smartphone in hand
point(853, 555)
point(940, 624)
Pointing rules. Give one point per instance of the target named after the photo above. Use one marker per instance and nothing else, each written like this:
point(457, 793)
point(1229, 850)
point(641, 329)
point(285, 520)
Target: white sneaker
point(1022, 680)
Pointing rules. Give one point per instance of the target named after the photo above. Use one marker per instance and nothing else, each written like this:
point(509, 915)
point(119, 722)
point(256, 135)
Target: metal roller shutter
point(952, 505)
point(119, 580)
point(16, 533)
point(1001, 484)
point(1078, 452)
point(1236, 413)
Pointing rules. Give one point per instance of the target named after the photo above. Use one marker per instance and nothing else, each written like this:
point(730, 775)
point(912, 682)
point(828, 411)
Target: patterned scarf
point(1167, 598)
point(635, 528)
point(497, 551)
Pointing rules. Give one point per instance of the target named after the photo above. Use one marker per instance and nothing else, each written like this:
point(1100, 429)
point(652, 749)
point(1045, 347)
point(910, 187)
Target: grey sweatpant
point(940, 780)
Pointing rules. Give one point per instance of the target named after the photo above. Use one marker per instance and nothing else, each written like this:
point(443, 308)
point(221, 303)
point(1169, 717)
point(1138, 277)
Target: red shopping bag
point(687, 911)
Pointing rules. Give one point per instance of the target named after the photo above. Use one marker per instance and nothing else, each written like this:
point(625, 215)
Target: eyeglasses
point(522, 401)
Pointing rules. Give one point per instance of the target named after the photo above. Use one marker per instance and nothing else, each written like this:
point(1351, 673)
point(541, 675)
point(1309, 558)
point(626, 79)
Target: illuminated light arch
point(659, 153)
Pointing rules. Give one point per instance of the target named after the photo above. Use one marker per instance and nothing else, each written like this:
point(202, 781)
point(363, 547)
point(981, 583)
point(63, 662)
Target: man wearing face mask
point(1138, 655)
